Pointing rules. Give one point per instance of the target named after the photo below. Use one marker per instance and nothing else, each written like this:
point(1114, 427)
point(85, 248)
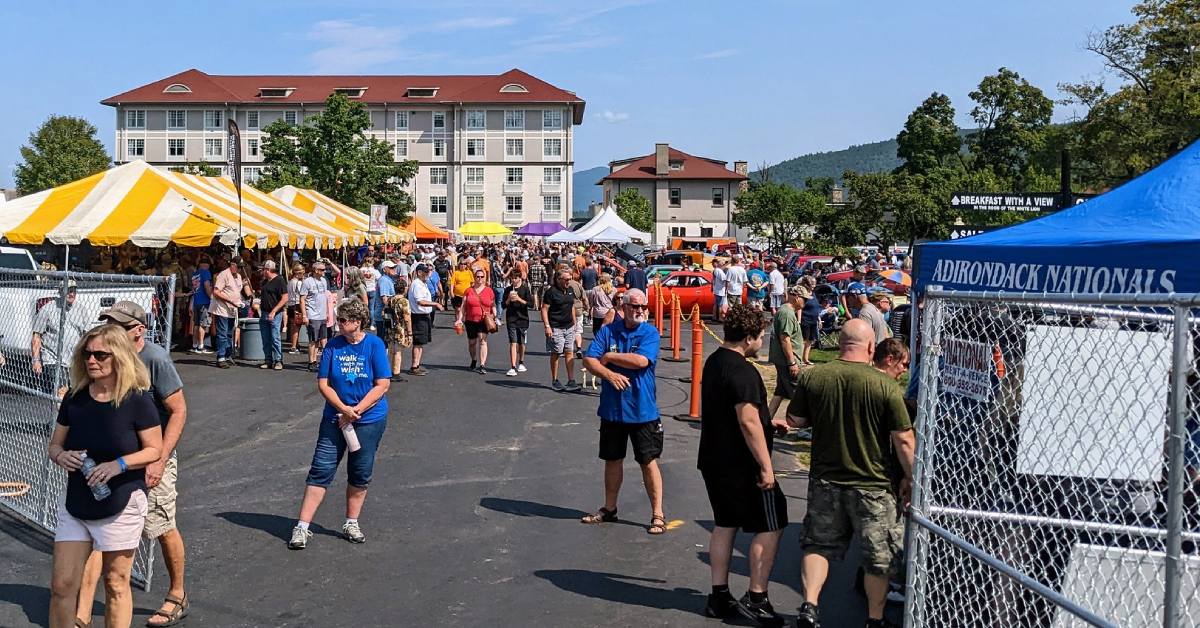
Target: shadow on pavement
point(522, 508)
point(275, 525)
point(26, 534)
point(33, 600)
point(624, 589)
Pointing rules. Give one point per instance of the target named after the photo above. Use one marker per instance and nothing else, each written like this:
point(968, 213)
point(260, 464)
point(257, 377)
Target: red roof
point(693, 168)
point(209, 88)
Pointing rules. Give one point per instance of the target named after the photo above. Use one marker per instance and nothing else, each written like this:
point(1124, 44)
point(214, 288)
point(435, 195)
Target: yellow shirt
point(463, 280)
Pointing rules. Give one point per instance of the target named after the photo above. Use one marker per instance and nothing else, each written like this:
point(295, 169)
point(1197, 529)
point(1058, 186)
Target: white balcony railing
point(552, 216)
point(552, 188)
point(513, 188)
point(472, 188)
point(472, 216)
point(514, 218)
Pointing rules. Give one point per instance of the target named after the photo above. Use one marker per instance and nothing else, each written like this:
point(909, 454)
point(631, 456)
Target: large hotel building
point(493, 147)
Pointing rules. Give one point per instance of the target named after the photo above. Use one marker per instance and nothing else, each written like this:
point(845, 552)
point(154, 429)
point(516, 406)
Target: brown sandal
point(79, 623)
point(603, 515)
point(658, 525)
point(176, 614)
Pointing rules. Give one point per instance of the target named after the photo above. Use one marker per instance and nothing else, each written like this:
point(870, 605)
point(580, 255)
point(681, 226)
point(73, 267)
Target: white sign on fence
point(967, 368)
point(378, 219)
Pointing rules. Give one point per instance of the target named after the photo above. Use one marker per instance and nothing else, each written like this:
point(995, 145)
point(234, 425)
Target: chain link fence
point(1058, 459)
point(37, 337)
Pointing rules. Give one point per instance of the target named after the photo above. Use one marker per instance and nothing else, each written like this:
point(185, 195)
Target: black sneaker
point(720, 605)
point(760, 613)
point(572, 386)
point(472, 367)
point(808, 616)
point(556, 385)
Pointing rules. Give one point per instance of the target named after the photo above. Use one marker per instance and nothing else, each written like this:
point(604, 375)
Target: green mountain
point(873, 157)
point(585, 189)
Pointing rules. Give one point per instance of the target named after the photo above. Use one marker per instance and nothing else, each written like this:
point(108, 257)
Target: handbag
point(489, 316)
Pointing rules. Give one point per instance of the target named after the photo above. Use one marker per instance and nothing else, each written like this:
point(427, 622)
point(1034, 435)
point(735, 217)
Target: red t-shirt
point(475, 302)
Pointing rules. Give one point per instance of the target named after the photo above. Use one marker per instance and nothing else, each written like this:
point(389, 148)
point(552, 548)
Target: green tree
point(930, 137)
point(777, 213)
point(62, 150)
point(332, 154)
point(1012, 116)
point(635, 210)
point(201, 168)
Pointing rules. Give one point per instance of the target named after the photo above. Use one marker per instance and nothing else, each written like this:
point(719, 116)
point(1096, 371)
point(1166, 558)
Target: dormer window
point(350, 92)
point(275, 92)
point(514, 88)
point(421, 92)
point(177, 88)
point(676, 165)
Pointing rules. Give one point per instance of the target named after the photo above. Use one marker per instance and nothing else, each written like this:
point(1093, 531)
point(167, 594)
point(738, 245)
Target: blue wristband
point(124, 467)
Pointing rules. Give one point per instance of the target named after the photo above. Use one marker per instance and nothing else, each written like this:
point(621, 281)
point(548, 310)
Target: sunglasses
point(637, 306)
point(343, 321)
point(480, 275)
point(101, 356)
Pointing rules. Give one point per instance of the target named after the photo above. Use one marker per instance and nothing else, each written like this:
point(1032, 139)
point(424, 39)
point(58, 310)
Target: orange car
point(694, 287)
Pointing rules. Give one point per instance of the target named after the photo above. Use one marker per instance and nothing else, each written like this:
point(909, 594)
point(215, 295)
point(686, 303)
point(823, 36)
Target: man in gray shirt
point(872, 309)
point(313, 307)
point(44, 346)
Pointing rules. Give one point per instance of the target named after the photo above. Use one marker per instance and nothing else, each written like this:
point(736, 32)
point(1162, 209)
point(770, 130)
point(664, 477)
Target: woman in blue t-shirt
point(353, 377)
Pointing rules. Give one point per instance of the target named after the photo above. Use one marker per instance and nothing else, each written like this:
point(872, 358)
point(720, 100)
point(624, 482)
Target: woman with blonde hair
point(107, 431)
point(356, 286)
point(600, 302)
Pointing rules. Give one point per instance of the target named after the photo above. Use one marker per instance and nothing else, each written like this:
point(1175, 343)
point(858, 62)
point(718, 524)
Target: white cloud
point(718, 54)
point(584, 16)
point(351, 47)
point(614, 117)
point(470, 23)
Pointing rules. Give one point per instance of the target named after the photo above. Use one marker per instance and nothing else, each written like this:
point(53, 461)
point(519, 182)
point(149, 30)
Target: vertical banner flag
point(378, 222)
point(235, 168)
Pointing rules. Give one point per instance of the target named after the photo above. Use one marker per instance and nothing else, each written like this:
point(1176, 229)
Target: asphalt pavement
point(472, 517)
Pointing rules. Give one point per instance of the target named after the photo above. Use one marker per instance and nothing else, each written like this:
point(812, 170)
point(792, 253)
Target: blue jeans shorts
point(331, 446)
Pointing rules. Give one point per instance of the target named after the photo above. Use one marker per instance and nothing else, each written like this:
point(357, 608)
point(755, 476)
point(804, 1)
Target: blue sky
point(759, 81)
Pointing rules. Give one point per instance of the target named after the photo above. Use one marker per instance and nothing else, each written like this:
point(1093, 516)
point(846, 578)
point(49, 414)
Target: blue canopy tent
point(1143, 237)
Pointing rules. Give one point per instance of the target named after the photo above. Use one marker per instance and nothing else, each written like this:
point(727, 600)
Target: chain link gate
point(1058, 455)
point(31, 301)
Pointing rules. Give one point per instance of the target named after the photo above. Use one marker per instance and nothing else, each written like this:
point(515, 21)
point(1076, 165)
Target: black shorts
point(316, 330)
point(456, 302)
point(517, 335)
point(808, 331)
point(737, 502)
point(422, 328)
point(647, 439)
point(474, 329)
point(785, 386)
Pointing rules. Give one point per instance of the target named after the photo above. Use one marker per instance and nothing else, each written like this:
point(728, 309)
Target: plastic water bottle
point(99, 491)
point(350, 435)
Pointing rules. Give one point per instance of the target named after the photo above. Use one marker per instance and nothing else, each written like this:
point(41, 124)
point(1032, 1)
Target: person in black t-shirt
point(559, 311)
point(110, 418)
point(273, 301)
point(517, 299)
point(736, 435)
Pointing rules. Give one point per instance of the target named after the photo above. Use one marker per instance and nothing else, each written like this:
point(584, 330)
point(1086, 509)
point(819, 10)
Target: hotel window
point(718, 197)
point(439, 148)
point(476, 119)
point(706, 232)
point(675, 195)
point(514, 148)
point(514, 120)
point(474, 176)
point(678, 232)
point(439, 120)
point(552, 148)
point(401, 120)
point(552, 119)
point(401, 149)
point(252, 174)
point(513, 205)
point(437, 176)
point(175, 148)
point(475, 148)
point(474, 204)
point(135, 148)
point(212, 118)
point(135, 119)
point(514, 175)
point(437, 204)
point(290, 117)
point(252, 120)
point(212, 148)
point(176, 119)
point(252, 148)
point(552, 205)
point(552, 175)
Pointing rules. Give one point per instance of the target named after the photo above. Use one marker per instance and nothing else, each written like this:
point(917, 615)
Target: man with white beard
point(622, 355)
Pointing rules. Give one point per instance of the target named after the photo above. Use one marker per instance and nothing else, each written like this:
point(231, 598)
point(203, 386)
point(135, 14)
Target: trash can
point(252, 349)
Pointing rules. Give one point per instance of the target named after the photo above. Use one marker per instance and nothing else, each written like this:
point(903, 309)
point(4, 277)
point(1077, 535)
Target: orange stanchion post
point(676, 330)
point(697, 367)
point(658, 303)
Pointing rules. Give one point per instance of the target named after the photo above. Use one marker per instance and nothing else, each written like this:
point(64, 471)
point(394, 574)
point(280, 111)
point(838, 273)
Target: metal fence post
point(1175, 472)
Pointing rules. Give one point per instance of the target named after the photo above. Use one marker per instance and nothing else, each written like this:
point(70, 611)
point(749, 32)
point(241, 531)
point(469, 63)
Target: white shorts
point(119, 532)
point(579, 325)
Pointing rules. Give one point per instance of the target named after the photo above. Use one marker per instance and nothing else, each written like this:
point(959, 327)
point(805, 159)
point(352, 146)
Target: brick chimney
point(662, 165)
point(742, 168)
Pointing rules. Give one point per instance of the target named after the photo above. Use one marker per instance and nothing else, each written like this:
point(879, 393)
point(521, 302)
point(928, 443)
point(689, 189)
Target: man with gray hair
point(274, 299)
point(314, 306)
point(559, 313)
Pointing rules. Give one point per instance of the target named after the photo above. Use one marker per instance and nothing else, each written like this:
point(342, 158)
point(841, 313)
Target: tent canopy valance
point(353, 223)
point(138, 203)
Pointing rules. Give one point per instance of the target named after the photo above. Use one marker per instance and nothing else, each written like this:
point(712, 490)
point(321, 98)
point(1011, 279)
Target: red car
point(872, 278)
point(694, 287)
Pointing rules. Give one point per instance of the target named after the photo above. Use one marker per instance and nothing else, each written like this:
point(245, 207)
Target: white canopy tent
point(606, 222)
point(610, 236)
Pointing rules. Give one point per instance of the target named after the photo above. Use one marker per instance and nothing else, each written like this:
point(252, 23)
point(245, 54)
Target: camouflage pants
point(836, 513)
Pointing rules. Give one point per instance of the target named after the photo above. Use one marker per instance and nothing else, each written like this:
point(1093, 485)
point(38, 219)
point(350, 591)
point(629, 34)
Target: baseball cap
point(268, 265)
point(422, 268)
point(124, 313)
point(860, 269)
point(796, 289)
point(389, 264)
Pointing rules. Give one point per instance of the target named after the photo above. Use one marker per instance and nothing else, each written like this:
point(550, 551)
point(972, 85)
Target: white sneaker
point(521, 368)
point(511, 373)
point(352, 532)
point(300, 537)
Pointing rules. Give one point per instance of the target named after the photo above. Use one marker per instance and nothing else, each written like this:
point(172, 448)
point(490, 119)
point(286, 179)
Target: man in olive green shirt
point(786, 347)
point(857, 415)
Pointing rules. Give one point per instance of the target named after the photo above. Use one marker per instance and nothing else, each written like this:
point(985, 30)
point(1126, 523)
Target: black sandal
point(603, 515)
point(176, 614)
point(658, 525)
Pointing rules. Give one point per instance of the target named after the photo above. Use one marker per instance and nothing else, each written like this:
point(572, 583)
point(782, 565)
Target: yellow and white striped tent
point(139, 203)
point(344, 217)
